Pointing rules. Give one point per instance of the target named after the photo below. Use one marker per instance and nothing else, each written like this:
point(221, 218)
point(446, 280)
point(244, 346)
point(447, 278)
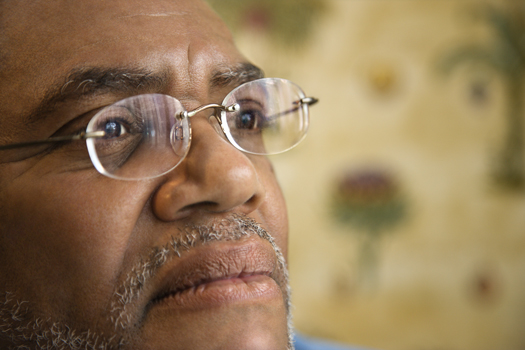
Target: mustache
point(191, 236)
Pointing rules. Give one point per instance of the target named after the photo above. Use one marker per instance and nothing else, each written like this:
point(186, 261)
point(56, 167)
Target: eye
point(114, 128)
point(248, 119)
point(117, 121)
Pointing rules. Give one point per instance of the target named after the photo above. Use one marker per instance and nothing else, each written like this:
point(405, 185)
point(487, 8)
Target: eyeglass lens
point(145, 138)
point(271, 118)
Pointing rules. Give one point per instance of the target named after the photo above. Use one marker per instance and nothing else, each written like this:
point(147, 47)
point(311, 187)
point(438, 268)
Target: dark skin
point(68, 235)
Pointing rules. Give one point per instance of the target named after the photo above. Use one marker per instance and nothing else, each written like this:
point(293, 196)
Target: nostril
point(206, 205)
point(254, 201)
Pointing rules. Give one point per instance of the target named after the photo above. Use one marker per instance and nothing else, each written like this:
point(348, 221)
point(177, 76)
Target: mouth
point(219, 274)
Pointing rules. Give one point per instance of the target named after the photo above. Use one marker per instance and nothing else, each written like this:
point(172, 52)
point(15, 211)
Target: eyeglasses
point(146, 136)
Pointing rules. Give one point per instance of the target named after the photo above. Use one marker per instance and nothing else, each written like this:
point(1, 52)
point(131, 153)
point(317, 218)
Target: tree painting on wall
point(505, 56)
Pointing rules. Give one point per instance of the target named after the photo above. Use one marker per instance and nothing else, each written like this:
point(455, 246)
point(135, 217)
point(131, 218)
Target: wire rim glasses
point(146, 136)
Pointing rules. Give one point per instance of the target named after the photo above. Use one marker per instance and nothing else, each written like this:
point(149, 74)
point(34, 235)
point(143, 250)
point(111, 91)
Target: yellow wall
point(451, 273)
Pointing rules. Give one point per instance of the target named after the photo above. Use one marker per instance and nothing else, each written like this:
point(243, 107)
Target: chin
point(247, 325)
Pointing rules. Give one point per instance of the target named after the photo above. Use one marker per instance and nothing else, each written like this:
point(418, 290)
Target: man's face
point(170, 263)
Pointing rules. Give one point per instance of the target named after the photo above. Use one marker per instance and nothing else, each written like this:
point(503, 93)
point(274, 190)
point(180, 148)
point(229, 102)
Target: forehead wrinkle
point(90, 81)
point(164, 14)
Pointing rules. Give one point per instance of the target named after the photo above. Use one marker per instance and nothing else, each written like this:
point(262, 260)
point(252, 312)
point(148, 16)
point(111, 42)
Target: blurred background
point(407, 198)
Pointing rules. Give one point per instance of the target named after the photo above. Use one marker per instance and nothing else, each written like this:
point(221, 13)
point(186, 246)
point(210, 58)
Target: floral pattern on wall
point(289, 23)
point(370, 203)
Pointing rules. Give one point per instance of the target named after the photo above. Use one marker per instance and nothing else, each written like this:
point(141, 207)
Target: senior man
point(137, 207)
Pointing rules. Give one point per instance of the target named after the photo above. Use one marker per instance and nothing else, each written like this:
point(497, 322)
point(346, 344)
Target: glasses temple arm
point(310, 101)
point(235, 107)
point(82, 136)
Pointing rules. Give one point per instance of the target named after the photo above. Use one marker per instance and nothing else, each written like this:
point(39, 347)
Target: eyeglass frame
point(84, 135)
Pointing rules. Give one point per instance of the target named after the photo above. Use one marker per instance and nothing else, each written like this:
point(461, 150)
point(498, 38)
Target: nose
point(214, 177)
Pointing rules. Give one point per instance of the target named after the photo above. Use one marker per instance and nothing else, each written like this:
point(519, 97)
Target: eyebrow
point(91, 81)
point(236, 75)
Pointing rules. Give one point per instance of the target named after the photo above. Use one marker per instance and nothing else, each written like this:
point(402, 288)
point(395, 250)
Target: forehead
point(51, 27)
point(43, 40)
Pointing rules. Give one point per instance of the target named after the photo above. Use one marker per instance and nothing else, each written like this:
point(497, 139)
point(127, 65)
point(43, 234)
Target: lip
point(217, 274)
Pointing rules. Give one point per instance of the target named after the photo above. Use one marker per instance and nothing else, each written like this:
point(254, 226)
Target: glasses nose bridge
point(217, 107)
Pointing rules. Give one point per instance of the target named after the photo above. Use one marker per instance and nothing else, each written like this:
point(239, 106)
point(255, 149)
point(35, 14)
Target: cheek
point(64, 240)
